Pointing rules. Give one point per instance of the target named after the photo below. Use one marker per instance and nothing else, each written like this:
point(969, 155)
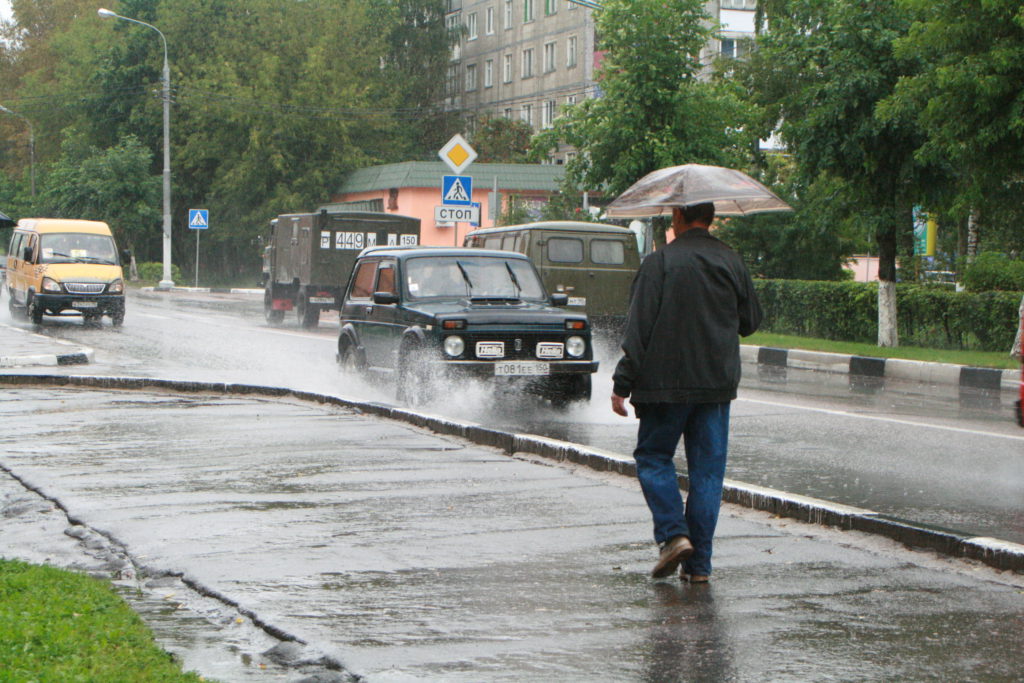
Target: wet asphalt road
point(916, 452)
point(410, 556)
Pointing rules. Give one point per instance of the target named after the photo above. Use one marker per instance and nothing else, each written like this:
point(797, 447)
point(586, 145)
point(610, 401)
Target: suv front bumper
point(486, 368)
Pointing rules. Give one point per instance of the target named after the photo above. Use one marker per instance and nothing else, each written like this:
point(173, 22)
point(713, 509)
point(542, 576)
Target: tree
point(498, 140)
point(113, 185)
point(653, 111)
point(821, 71)
point(968, 97)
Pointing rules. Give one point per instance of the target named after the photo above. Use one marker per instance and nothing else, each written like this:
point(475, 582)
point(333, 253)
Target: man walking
point(690, 302)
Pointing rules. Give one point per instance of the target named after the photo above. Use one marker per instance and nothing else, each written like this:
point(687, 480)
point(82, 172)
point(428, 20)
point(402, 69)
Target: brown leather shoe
point(673, 553)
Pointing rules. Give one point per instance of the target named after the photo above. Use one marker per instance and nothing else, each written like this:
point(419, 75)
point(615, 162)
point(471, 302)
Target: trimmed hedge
point(153, 271)
point(931, 317)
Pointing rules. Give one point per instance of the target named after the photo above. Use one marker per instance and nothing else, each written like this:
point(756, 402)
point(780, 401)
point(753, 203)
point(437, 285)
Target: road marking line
point(910, 423)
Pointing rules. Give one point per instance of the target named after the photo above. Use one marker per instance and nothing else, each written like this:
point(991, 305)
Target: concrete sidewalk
point(20, 348)
point(402, 549)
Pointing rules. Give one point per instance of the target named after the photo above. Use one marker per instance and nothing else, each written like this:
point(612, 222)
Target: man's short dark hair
point(705, 213)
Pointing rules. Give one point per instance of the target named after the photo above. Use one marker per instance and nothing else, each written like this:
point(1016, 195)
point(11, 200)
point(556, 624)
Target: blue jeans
point(704, 428)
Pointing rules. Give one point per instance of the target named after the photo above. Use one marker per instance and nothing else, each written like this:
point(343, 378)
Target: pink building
point(864, 268)
point(413, 188)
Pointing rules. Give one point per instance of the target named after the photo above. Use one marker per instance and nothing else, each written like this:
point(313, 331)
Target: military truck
point(593, 263)
point(310, 257)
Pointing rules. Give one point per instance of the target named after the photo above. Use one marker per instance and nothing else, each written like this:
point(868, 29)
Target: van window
point(610, 252)
point(508, 243)
point(565, 250)
point(493, 242)
point(15, 249)
point(362, 283)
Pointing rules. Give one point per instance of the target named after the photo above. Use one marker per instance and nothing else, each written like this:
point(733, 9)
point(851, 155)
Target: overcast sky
point(5, 9)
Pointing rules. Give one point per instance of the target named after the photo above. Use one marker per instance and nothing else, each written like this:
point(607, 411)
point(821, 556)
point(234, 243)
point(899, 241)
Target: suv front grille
point(526, 349)
point(84, 287)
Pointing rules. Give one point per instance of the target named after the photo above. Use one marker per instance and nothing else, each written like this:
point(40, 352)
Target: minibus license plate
point(522, 368)
point(83, 304)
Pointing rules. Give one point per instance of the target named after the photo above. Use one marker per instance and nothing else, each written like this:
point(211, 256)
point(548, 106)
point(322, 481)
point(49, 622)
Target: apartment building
point(527, 59)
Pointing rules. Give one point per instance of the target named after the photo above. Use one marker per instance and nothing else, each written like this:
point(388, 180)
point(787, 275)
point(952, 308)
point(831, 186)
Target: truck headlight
point(454, 346)
point(116, 287)
point(51, 285)
point(575, 346)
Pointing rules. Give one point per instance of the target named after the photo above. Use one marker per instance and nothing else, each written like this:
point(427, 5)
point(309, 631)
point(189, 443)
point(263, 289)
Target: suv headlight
point(454, 346)
point(575, 346)
point(51, 285)
point(116, 287)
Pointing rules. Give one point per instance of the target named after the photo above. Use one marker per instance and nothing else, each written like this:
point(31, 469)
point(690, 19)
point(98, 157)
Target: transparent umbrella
point(5, 220)
point(733, 192)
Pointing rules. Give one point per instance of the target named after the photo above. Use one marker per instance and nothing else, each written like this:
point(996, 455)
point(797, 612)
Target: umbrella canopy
point(734, 193)
point(5, 220)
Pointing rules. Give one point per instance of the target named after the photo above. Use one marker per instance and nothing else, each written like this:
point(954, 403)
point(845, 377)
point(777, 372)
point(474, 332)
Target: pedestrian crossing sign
point(456, 190)
point(198, 219)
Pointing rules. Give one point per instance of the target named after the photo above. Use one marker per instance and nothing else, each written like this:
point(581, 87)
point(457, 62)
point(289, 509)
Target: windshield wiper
point(515, 280)
point(465, 276)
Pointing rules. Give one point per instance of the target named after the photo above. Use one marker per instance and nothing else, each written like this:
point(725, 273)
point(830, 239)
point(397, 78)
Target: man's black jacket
point(690, 302)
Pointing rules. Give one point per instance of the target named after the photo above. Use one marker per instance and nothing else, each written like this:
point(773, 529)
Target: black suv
point(427, 313)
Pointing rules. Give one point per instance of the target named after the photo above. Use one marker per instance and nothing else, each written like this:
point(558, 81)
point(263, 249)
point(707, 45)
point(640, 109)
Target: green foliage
point(110, 185)
point(566, 205)
point(994, 271)
point(653, 110)
point(152, 271)
point(498, 140)
point(515, 212)
point(929, 316)
point(60, 626)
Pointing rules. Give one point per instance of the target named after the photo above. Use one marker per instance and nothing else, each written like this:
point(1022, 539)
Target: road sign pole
point(197, 258)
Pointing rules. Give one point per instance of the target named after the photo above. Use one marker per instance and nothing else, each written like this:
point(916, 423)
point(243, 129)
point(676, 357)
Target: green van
point(593, 263)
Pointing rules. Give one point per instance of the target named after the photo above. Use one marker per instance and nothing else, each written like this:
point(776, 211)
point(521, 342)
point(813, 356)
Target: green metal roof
point(511, 177)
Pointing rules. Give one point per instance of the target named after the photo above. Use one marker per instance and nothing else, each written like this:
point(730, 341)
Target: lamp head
point(105, 13)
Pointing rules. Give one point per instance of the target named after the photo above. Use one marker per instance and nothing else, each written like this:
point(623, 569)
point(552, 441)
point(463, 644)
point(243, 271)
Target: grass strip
point(977, 359)
point(57, 625)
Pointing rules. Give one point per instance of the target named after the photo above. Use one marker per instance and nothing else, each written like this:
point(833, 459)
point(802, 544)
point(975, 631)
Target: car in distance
point(423, 314)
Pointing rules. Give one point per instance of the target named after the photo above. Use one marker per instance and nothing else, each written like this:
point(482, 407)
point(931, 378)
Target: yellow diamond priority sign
point(457, 154)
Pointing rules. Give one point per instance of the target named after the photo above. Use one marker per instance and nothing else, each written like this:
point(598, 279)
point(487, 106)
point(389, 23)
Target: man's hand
point(619, 405)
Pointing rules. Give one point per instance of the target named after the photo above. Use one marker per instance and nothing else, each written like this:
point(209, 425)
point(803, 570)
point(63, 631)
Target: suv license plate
point(522, 368)
point(321, 299)
point(83, 304)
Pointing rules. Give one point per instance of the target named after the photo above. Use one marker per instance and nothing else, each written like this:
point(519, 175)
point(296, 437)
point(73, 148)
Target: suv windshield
point(76, 247)
point(478, 277)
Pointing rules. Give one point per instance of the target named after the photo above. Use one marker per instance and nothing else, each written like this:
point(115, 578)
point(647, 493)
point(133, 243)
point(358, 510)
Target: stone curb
point(962, 376)
point(81, 355)
point(991, 551)
point(206, 290)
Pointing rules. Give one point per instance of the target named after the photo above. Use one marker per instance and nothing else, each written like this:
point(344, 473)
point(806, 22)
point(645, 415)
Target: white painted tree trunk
point(972, 235)
point(887, 332)
point(1017, 352)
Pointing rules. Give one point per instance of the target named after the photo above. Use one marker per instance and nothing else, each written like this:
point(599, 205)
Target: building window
point(550, 7)
point(471, 26)
point(489, 21)
point(470, 77)
point(570, 100)
point(573, 5)
point(489, 73)
point(734, 49)
point(739, 4)
point(528, 11)
point(506, 70)
point(547, 115)
point(454, 24)
point(570, 52)
point(528, 63)
point(508, 113)
point(451, 83)
point(526, 114)
point(549, 57)
point(508, 15)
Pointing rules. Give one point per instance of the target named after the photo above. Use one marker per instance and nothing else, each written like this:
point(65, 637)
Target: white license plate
point(523, 367)
point(84, 304)
point(490, 349)
point(321, 299)
point(577, 301)
point(550, 350)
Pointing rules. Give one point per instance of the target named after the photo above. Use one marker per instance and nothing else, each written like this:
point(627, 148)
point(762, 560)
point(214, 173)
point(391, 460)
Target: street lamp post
point(31, 146)
point(166, 282)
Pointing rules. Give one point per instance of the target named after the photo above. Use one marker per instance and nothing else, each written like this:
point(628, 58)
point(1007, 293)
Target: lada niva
point(423, 314)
